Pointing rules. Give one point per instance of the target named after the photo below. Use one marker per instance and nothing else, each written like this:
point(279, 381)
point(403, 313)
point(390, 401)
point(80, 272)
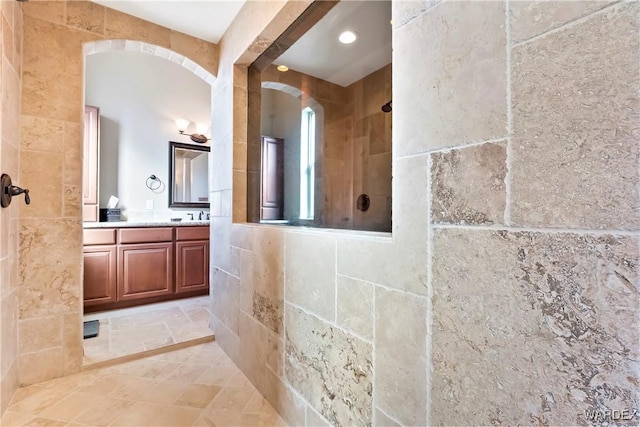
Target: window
point(307, 162)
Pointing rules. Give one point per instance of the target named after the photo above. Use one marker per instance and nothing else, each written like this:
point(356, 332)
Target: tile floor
point(147, 327)
point(195, 386)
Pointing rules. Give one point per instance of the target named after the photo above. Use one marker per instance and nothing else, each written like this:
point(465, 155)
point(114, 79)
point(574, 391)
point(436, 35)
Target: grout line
point(509, 174)
point(569, 24)
point(335, 313)
point(388, 288)
point(516, 229)
point(284, 308)
point(311, 313)
point(449, 149)
point(422, 12)
point(377, 408)
point(429, 311)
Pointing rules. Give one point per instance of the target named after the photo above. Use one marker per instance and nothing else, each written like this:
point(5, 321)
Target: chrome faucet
point(201, 215)
point(190, 216)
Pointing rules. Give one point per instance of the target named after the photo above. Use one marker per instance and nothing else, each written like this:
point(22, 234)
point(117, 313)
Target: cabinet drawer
point(192, 233)
point(145, 235)
point(99, 236)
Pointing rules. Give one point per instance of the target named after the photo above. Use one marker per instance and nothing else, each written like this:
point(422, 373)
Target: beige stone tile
point(198, 395)
point(35, 399)
point(72, 406)
point(52, 11)
point(225, 302)
point(72, 342)
point(203, 53)
point(86, 15)
point(73, 147)
point(41, 173)
point(134, 388)
point(53, 64)
point(468, 185)
point(49, 288)
point(401, 359)
point(178, 416)
point(72, 202)
point(232, 398)
point(219, 374)
point(575, 151)
point(532, 18)
point(405, 10)
point(41, 366)
point(311, 280)
point(10, 107)
point(159, 369)
point(141, 414)
point(260, 350)
point(355, 306)
point(313, 419)
point(40, 134)
point(219, 417)
point(9, 329)
point(331, 369)
point(187, 372)
point(122, 26)
point(40, 333)
point(166, 391)
point(16, 419)
point(104, 386)
point(553, 291)
point(46, 422)
point(380, 419)
point(9, 385)
point(104, 411)
point(268, 278)
point(469, 82)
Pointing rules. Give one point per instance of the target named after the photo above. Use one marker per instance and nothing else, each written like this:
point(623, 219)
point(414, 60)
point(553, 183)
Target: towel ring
point(153, 183)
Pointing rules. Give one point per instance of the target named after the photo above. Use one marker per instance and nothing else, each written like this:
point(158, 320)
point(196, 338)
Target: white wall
point(139, 97)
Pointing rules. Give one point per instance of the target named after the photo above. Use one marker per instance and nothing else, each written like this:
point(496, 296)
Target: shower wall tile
point(122, 26)
point(40, 134)
point(331, 369)
point(202, 52)
point(225, 307)
point(48, 288)
point(41, 172)
point(574, 147)
point(532, 18)
point(380, 419)
point(73, 137)
point(460, 93)
point(268, 277)
point(40, 333)
point(401, 358)
point(355, 306)
point(468, 185)
point(310, 273)
point(9, 329)
point(41, 366)
point(86, 15)
point(313, 419)
point(51, 11)
point(406, 10)
point(571, 295)
point(10, 103)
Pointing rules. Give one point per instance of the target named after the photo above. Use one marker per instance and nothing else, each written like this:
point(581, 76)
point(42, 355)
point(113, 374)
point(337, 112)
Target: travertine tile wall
point(507, 291)
point(10, 77)
point(50, 233)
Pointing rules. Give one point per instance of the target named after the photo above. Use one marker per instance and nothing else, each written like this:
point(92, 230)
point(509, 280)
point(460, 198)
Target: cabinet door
point(145, 270)
point(99, 283)
point(192, 266)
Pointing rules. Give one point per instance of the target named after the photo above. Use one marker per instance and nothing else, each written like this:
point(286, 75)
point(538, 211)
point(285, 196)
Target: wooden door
point(145, 270)
point(99, 283)
point(192, 266)
point(272, 180)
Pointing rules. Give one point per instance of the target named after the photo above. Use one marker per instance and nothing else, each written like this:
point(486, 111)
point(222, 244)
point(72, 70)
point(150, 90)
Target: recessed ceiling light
point(347, 37)
point(283, 68)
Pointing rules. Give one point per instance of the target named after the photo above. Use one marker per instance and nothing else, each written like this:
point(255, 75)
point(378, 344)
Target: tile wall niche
point(507, 292)
point(49, 306)
point(10, 78)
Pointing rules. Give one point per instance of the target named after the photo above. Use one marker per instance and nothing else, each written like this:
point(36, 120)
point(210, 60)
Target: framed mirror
point(188, 176)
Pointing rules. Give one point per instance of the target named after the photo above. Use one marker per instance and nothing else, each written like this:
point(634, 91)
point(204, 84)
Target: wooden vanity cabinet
point(99, 255)
point(192, 259)
point(131, 266)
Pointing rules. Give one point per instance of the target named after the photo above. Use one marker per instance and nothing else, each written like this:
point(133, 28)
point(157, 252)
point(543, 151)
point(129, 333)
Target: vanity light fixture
point(200, 138)
point(283, 68)
point(347, 37)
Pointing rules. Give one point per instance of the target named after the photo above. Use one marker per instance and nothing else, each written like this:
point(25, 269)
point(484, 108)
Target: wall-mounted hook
point(8, 190)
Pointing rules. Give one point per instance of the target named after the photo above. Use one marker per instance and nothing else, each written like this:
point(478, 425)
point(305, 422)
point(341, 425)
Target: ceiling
point(318, 53)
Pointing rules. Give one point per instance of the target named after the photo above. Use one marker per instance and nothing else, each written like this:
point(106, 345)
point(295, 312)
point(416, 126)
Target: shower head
point(387, 107)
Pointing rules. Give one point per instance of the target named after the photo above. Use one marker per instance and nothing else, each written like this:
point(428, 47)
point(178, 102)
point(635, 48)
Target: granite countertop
point(120, 224)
